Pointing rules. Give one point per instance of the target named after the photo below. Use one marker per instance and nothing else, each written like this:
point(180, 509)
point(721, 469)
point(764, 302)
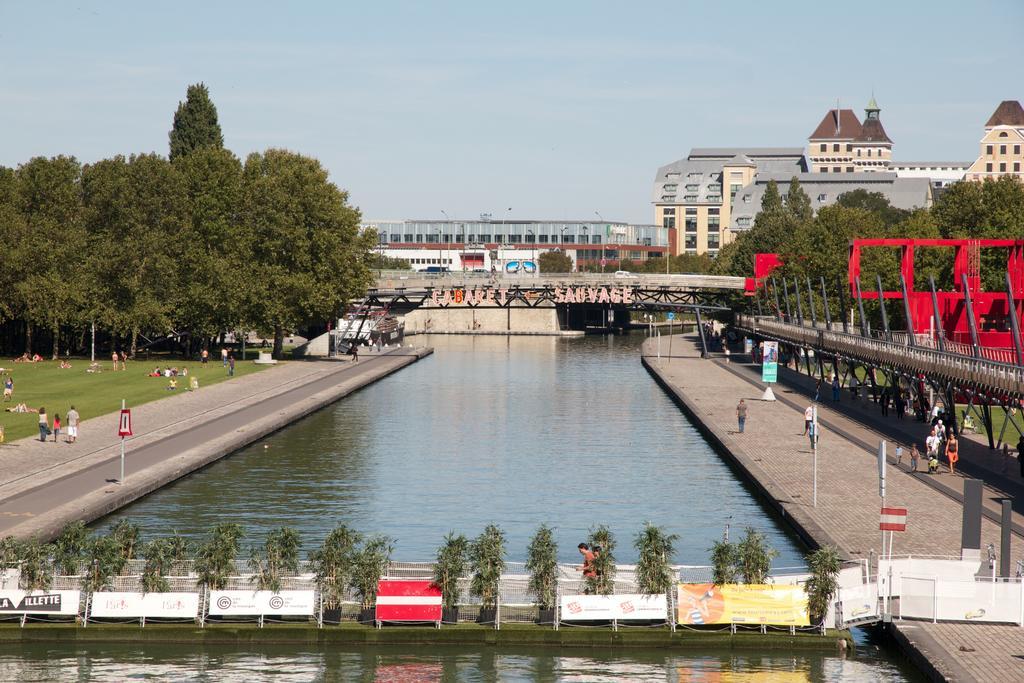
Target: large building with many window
point(493, 245)
point(1002, 145)
point(693, 197)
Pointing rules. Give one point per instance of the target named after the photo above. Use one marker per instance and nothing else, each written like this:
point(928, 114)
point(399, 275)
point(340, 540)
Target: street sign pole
point(814, 438)
point(121, 480)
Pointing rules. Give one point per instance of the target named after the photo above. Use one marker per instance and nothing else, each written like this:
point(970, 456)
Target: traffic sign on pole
point(893, 519)
point(124, 427)
point(670, 315)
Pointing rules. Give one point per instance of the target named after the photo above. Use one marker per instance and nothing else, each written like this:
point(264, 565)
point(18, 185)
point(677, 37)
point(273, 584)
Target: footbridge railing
point(980, 373)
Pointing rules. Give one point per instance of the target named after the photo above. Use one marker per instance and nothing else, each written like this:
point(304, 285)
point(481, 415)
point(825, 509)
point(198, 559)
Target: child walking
point(56, 427)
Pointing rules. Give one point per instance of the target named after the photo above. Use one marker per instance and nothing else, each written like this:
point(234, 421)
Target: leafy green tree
point(655, 548)
point(159, 558)
point(278, 557)
point(331, 564)
point(824, 565)
point(49, 288)
point(14, 240)
point(309, 257)
point(603, 583)
point(69, 547)
point(36, 570)
point(798, 203)
point(450, 566)
point(195, 124)
point(554, 262)
point(875, 203)
point(215, 559)
point(724, 561)
point(369, 564)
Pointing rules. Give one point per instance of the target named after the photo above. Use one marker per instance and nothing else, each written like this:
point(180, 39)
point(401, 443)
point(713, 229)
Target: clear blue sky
point(556, 109)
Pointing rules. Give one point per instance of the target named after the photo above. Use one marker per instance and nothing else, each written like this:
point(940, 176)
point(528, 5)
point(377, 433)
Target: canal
point(517, 431)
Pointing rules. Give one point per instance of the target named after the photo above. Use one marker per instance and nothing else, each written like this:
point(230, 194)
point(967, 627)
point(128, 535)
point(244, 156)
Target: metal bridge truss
point(981, 383)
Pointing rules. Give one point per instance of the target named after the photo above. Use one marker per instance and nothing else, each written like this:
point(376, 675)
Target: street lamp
point(601, 218)
point(449, 219)
point(440, 261)
point(533, 248)
point(584, 229)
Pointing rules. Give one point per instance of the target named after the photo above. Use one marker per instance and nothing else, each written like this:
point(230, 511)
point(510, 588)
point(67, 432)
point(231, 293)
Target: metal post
point(842, 307)
point(906, 311)
point(940, 330)
point(799, 306)
point(1004, 537)
point(810, 302)
point(972, 325)
point(860, 307)
point(92, 348)
point(778, 306)
point(824, 299)
point(881, 305)
point(1014, 322)
point(121, 480)
point(785, 292)
point(700, 330)
point(814, 440)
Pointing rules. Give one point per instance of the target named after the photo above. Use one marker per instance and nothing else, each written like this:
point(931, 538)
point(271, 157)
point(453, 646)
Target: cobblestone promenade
point(773, 449)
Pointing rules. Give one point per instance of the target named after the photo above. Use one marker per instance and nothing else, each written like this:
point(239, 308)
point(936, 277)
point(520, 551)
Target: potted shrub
point(278, 557)
point(369, 564)
point(724, 558)
point(487, 561)
point(655, 549)
point(449, 567)
point(36, 572)
point(824, 565)
point(755, 556)
point(158, 555)
point(215, 559)
point(69, 547)
point(125, 538)
point(602, 543)
point(104, 561)
point(331, 564)
point(542, 563)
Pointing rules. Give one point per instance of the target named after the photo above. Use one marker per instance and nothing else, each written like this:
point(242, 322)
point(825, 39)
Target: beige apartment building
point(1002, 146)
point(842, 144)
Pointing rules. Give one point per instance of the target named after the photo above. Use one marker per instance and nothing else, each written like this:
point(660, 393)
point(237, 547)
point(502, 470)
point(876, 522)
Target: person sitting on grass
point(64, 365)
point(94, 367)
point(21, 408)
point(172, 385)
point(156, 372)
point(23, 358)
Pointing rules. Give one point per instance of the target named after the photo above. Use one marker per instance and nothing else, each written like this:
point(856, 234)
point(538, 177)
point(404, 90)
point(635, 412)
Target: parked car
point(625, 274)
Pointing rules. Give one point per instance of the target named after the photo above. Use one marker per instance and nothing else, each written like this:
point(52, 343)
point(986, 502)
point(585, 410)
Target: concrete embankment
point(510, 635)
point(84, 488)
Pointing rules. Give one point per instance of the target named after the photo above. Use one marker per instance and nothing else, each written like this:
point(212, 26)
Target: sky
point(528, 110)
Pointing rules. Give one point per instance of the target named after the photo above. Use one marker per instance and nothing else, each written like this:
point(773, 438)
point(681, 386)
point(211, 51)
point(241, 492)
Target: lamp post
point(601, 218)
point(440, 261)
point(449, 219)
point(533, 248)
point(584, 229)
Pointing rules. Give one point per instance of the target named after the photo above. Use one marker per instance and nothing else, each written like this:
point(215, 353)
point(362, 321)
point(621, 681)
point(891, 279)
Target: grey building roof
point(824, 188)
point(933, 164)
point(697, 179)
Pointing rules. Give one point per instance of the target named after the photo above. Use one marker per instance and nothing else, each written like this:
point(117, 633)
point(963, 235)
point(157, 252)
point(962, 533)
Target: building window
point(690, 242)
point(858, 152)
point(746, 199)
point(713, 223)
point(543, 239)
point(669, 211)
point(715, 198)
point(869, 152)
point(499, 238)
point(471, 239)
point(446, 238)
point(691, 211)
point(569, 239)
point(822, 197)
point(692, 187)
point(668, 222)
point(408, 237)
point(849, 148)
point(690, 198)
point(514, 239)
point(1002, 149)
point(988, 168)
point(484, 238)
point(1002, 167)
point(714, 211)
point(672, 174)
point(824, 169)
point(835, 147)
point(1003, 134)
point(668, 197)
point(823, 147)
point(837, 169)
point(733, 189)
point(583, 239)
point(713, 240)
point(670, 187)
point(395, 237)
point(988, 150)
point(849, 169)
point(531, 238)
point(691, 224)
point(1016, 149)
point(715, 187)
point(594, 239)
point(1016, 167)
point(743, 222)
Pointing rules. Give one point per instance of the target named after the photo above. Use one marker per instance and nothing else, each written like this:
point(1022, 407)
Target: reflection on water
point(517, 431)
point(388, 664)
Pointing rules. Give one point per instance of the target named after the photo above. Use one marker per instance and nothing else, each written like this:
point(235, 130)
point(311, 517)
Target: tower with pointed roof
point(1002, 146)
point(872, 148)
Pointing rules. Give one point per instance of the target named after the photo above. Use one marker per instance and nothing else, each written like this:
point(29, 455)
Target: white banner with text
point(619, 607)
point(137, 605)
point(38, 602)
point(255, 603)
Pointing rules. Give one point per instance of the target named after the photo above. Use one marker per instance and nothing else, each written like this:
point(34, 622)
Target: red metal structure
point(990, 309)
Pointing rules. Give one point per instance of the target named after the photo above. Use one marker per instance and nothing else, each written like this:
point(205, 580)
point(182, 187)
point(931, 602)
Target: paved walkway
point(44, 485)
point(774, 452)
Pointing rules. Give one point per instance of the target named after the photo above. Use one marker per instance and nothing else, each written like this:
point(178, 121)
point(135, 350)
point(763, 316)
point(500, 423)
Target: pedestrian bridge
point(410, 280)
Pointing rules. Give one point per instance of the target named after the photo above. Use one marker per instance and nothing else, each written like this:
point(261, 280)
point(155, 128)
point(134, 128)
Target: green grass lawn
point(46, 385)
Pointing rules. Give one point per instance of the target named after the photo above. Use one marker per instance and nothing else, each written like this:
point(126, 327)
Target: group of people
point(45, 428)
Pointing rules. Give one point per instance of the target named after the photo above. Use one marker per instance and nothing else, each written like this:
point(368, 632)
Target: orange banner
point(705, 603)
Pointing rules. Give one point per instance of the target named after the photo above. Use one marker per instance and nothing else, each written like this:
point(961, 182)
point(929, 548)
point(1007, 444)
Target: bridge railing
point(982, 372)
point(412, 280)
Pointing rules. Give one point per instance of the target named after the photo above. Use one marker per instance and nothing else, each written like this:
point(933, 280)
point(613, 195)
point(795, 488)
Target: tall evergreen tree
point(797, 201)
point(195, 123)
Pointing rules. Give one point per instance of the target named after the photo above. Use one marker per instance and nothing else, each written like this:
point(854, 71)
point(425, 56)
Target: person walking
point(44, 425)
point(72, 425)
point(231, 365)
point(952, 452)
point(899, 453)
point(812, 434)
point(56, 427)
point(204, 356)
point(835, 388)
point(741, 418)
point(113, 358)
point(914, 457)
point(808, 417)
point(124, 360)
point(223, 356)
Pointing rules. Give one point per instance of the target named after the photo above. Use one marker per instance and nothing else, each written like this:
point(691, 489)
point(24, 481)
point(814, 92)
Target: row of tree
point(349, 561)
point(191, 246)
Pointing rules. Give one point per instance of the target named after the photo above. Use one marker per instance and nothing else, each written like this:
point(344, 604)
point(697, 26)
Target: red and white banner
point(136, 605)
point(408, 601)
point(893, 519)
point(621, 607)
point(124, 426)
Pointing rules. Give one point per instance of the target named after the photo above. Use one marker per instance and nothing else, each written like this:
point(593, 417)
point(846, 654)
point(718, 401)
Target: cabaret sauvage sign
point(561, 295)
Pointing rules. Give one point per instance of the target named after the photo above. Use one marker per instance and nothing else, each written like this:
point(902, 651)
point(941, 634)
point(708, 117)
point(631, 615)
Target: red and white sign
point(893, 519)
point(408, 601)
point(124, 427)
